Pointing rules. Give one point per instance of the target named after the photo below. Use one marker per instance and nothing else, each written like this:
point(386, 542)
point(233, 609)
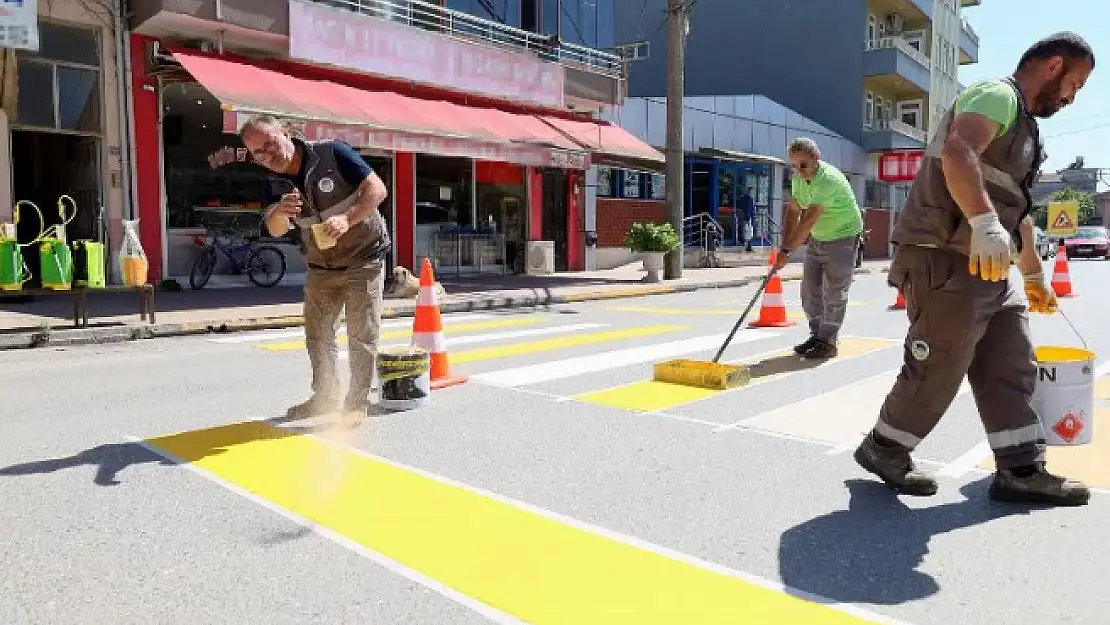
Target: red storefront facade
point(459, 165)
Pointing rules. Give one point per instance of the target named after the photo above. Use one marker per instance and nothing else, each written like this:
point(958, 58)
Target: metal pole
point(676, 59)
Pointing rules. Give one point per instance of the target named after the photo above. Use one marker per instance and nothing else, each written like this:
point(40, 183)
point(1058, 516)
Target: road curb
point(66, 336)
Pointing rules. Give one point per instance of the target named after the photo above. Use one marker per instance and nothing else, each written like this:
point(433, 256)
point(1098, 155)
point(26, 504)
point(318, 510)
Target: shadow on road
point(109, 459)
point(870, 552)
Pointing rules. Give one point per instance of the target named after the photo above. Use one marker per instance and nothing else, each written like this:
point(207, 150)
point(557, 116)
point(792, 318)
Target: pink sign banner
point(322, 34)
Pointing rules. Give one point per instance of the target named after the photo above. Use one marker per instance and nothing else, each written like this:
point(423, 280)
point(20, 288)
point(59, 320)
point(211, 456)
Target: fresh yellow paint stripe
point(1102, 387)
point(522, 562)
point(1088, 463)
point(649, 395)
point(577, 340)
point(455, 328)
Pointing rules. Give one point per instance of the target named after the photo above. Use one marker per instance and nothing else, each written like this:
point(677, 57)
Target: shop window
point(605, 181)
point(632, 185)
point(549, 20)
point(67, 44)
point(657, 189)
point(443, 198)
point(210, 179)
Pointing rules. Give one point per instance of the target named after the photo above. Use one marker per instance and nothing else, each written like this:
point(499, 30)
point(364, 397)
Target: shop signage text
point(900, 166)
point(322, 34)
point(227, 155)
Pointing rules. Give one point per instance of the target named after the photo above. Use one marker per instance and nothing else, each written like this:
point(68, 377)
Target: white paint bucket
point(405, 378)
point(1064, 397)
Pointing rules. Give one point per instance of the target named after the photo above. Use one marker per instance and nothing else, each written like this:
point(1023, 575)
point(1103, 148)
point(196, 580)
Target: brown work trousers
point(963, 325)
point(327, 292)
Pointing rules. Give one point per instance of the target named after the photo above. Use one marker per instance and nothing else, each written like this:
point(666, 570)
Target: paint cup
point(1064, 397)
point(323, 240)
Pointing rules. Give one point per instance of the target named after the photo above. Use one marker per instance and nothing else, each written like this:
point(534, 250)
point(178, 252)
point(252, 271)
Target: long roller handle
point(744, 316)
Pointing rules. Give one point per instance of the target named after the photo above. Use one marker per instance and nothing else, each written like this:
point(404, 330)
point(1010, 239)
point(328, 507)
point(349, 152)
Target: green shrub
point(652, 237)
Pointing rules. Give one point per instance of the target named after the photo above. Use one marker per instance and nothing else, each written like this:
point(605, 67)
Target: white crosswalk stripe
point(298, 333)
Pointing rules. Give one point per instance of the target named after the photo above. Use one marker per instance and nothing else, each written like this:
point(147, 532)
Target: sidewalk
point(114, 317)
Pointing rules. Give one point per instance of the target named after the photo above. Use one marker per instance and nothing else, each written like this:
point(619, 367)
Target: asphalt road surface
point(143, 483)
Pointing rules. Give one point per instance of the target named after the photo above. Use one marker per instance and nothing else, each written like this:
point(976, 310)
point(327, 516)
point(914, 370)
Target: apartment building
point(480, 116)
point(879, 73)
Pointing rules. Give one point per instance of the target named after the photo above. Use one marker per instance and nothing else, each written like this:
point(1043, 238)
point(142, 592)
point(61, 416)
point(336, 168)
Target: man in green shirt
point(822, 206)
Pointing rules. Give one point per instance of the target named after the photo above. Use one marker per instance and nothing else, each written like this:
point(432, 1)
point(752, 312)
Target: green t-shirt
point(841, 217)
point(993, 99)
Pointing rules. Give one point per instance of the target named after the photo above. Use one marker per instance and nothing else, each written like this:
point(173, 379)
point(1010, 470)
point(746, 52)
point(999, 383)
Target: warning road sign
point(1063, 219)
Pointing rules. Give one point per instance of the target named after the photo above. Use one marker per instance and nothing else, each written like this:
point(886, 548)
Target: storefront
point(469, 186)
point(734, 189)
point(61, 135)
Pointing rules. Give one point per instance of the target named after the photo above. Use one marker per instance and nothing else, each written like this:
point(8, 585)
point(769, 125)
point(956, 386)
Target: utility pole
point(675, 193)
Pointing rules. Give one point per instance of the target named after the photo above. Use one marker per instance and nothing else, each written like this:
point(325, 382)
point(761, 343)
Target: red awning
point(380, 119)
point(606, 139)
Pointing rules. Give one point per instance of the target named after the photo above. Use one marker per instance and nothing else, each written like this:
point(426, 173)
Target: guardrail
point(432, 17)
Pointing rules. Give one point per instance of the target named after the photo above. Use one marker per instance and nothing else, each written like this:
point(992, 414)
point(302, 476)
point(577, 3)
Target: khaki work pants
point(963, 325)
point(327, 293)
point(826, 279)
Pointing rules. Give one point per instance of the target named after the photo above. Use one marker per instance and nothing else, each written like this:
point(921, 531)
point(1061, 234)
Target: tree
point(1088, 216)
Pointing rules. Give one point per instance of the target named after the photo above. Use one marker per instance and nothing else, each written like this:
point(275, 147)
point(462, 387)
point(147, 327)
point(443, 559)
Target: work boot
point(314, 407)
point(821, 350)
point(893, 464)
point(1035, 485)
point(806, 345)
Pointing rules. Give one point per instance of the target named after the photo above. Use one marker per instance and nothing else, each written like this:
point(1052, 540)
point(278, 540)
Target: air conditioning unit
point(539, 258)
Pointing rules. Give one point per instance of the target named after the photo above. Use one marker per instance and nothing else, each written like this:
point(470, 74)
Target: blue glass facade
point(583, 22)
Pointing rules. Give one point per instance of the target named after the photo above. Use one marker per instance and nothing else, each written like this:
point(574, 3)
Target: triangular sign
point(1063, 222)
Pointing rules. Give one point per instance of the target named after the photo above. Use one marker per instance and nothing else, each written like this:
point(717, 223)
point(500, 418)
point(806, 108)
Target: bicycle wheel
point(203, 267)
point(266, 261)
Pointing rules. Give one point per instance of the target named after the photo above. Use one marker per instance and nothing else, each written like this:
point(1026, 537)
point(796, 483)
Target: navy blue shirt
point(351, 166)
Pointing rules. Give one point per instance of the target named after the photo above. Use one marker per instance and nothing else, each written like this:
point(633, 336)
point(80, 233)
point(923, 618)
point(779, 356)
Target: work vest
point(1009, 164)
point(327, 193)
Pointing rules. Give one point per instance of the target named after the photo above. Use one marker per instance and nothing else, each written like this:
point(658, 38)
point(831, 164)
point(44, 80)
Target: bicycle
point(249, 257)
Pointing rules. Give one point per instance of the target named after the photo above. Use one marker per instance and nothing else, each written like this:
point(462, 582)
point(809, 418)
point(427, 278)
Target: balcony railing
point(966, 25)
point(901, 128)
point(901, 44)
point(467, 27)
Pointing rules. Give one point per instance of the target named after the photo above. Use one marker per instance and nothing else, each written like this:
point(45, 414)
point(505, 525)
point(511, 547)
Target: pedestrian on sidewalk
point(821, 206)
point(328, 183)
point(967, 211)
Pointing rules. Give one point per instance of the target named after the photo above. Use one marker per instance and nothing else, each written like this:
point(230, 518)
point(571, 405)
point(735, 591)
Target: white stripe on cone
point(774, 300)
point(434, 342)
point(426, 297)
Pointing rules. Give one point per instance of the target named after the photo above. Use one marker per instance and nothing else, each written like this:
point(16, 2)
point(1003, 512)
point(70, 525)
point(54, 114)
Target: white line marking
point(269, 335)
point(571, 367)
point(966, 461)
point(596, 530)
point(501, 336)
point(490, 612)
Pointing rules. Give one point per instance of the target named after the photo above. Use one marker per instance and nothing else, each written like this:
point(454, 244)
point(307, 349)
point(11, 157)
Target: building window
point(59, 86)
point(872, 30)
point(869, 110)
point(605, 182)
point(909, 113)
point(632, 185)
point(658, 188)
point(916, 40)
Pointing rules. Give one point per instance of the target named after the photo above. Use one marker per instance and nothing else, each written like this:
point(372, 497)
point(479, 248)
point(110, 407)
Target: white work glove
point(1041, 297)
point(991, 248)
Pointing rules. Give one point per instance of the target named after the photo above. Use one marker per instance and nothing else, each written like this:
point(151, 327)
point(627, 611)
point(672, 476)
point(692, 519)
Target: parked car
point(1088, 242)
point(1046, 247)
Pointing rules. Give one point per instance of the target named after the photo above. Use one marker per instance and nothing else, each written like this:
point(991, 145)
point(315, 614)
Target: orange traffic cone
point(1061, 278)
point(427, 330)
point(899, 303)
point(772, 310)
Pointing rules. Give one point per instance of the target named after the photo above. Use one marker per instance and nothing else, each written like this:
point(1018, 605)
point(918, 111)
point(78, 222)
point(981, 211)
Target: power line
point(1079, 130)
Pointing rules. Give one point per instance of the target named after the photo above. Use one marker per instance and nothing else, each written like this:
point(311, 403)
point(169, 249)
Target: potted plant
point(653, 241)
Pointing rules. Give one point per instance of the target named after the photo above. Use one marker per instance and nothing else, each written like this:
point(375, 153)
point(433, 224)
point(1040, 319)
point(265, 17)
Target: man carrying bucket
point(967, 209)
point(333, 196)
point(822, 207)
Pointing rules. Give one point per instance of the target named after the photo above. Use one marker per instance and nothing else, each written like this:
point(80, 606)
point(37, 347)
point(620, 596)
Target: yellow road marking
point(649, 395)
point(1088, 463)
point(1102, 387)
point(696, 312)
point(455, 328)
point(523, 562)
point(577, 340)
